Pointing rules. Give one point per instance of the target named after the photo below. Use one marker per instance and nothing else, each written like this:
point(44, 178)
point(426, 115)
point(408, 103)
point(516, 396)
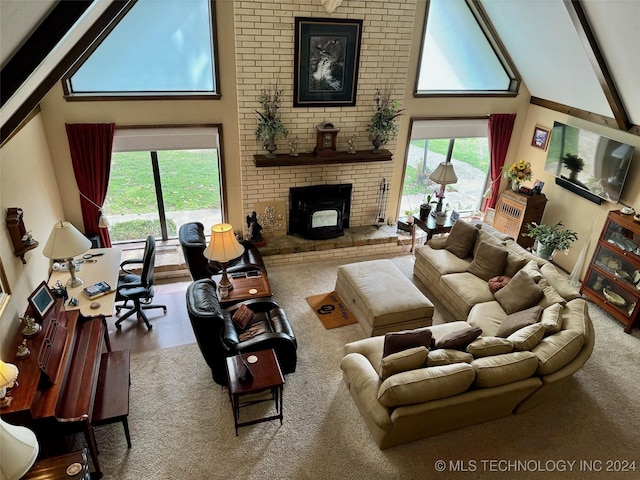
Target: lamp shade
point(223, 245)
point(444, 174)
point(8, 374)
point(19, 450)
point(65, 241)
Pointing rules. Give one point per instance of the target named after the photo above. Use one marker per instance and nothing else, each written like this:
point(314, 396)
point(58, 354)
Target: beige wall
point(27, 181)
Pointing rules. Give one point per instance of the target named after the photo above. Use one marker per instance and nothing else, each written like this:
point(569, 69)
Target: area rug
point(331, 310)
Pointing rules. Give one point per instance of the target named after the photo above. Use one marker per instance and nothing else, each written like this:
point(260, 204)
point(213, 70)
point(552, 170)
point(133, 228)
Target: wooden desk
point(266, 376)
point(430, 227)
point(243, 288)
point(105, 267)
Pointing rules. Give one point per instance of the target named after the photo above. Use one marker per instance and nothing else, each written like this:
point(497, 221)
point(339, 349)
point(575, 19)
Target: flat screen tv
point(587, 163)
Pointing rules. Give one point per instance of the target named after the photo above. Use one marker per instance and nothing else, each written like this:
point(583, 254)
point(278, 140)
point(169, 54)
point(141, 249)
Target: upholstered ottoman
point(382, 298)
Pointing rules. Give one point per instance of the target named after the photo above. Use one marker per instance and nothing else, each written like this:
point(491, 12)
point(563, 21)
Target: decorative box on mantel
point(284, 160)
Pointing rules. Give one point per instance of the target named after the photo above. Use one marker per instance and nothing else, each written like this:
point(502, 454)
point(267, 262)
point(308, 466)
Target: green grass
point(139, 229)
point(190, 181)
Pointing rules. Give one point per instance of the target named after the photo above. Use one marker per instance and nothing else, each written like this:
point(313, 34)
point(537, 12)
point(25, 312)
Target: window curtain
point(91, 146)
point(499, 128)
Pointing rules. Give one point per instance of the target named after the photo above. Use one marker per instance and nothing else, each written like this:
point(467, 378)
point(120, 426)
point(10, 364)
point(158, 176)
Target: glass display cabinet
point(613, 278)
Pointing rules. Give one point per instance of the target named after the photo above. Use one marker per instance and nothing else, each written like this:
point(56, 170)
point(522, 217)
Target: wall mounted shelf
point(284, 160)
point(21, 239)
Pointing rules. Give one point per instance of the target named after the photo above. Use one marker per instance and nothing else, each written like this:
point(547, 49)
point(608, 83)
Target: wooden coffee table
point(267, 376)
point(245, 288)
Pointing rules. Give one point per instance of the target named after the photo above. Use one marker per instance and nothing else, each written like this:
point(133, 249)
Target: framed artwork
point(5, 291)
point(326, 59)
point(42, 300)
point(540, 137)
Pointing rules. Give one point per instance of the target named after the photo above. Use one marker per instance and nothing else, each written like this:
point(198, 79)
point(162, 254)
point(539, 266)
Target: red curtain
point(499, 134)
point(91, 145)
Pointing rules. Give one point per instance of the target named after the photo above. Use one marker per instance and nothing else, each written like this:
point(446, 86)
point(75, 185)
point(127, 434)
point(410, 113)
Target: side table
point(55, 468)
point(245, 288)
point(430, 227)
point(266, 376)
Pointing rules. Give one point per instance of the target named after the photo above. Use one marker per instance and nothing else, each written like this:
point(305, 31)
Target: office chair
point(138, 288)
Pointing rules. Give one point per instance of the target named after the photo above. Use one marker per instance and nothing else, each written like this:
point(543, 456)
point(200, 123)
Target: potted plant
point(383, 127)
point(551, 238)
point(425, 207)
point(269, 122)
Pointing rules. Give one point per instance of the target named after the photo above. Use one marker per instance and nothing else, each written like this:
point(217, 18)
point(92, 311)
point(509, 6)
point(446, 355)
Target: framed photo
point(42, 300)
point(326, 59)
point(540, 137)
point(489, 215)
point(537, 187)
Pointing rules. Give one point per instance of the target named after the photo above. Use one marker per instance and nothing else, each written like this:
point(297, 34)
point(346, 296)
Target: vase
point(270, 146)
point(515, 185)
point(377, 143)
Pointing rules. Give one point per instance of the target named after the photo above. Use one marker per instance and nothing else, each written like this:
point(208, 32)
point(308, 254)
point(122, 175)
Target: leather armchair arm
point(229, 338)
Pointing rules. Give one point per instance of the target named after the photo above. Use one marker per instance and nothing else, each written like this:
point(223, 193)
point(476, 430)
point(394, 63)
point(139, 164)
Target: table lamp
point(8, 375)
point(223, 247)
point(443, 175)
point(65, 242)
point(19, 450)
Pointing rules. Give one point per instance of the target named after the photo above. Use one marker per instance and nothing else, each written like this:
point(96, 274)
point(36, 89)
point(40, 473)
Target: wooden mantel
point(285, 160)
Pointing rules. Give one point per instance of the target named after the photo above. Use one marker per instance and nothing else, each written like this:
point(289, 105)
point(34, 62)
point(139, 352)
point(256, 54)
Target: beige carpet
point(182, 425)
point(331, 310)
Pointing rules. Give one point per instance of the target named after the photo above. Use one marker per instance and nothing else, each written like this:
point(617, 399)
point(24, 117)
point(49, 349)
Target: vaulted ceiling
point(580, 57)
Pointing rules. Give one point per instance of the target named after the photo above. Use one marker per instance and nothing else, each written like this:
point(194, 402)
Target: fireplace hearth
point(320, 211)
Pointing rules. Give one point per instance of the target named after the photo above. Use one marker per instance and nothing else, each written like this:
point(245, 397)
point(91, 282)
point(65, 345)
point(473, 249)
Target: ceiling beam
point(590, 44)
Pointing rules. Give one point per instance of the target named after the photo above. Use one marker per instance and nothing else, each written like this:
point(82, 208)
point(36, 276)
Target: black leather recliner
point(192, 239)
point(218, 336)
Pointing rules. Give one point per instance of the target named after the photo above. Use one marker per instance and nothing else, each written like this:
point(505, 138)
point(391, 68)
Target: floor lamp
point(223, 247)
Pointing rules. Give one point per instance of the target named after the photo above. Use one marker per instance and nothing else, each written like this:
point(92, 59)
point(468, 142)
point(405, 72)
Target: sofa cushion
point(550, 295)
point(515, 321)
point(502, 369)
point(519, 294)
point(487, 346)
point(527, 337)
point(445, 356)
point(514, 263)
point(457, 340)
point(402, 361)
point(575, 316)
point(551, 318)
point(496, 283)
point(398, 341)
point(488, 261)
point(557, 350)
point(466, 289)
point(461, 239)
point(425, 384)
point(532, 268)
point(440, 261)
point(488, 316)
point(559, 282)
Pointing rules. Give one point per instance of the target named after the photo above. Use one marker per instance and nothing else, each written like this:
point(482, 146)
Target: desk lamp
point(444, 175)
point(19, 450)
point(8, 375)
point(223, 247)
point(65, 242)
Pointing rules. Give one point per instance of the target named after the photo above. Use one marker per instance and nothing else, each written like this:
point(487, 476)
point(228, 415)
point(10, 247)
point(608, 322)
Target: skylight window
point(459, 53)
point(157, 48)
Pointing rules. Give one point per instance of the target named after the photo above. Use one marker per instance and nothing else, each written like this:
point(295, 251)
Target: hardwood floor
point(169, 330)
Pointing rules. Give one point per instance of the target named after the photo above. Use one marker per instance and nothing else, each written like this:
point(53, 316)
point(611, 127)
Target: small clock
point(326, 140)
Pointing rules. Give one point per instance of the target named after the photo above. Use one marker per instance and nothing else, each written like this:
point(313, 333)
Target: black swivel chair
point(138, 288)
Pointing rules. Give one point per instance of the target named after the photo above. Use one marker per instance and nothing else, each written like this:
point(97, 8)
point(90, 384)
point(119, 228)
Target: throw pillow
point(559, 282)
point(489, 261)
point(518, 320)
point(527, 337)
point(461, 239)
point(550, 295)
point(519, 294)
point(496, 283)
point(445, 356)
point(488, 346)
point(242, 317)
point(531, 267)
point(398, 341)
point(403, 361)
point(458, 340)
point(551, 318)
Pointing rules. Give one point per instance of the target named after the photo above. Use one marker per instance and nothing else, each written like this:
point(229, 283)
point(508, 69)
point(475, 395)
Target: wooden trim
point(583, 114)
point(284, 160)
point(591, 48)
point(26, 120)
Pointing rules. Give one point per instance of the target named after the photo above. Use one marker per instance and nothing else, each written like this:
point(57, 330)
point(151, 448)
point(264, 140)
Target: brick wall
point(264, 36)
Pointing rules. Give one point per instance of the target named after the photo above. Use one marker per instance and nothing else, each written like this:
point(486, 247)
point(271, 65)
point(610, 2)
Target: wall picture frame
point(42, 301)
point(540, 137)
point(326, 61)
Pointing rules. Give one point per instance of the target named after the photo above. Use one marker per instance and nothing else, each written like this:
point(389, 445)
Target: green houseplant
point(383, 127)
point(269, 121)
point(551, 238)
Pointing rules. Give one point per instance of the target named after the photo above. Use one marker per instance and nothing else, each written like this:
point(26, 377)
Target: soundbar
point(578, 191)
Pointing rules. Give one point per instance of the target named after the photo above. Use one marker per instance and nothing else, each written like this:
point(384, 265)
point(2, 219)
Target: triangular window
point(157, 48)
point(461, 53)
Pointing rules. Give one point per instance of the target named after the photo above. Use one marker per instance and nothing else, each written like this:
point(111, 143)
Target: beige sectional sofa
point(425, 390)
